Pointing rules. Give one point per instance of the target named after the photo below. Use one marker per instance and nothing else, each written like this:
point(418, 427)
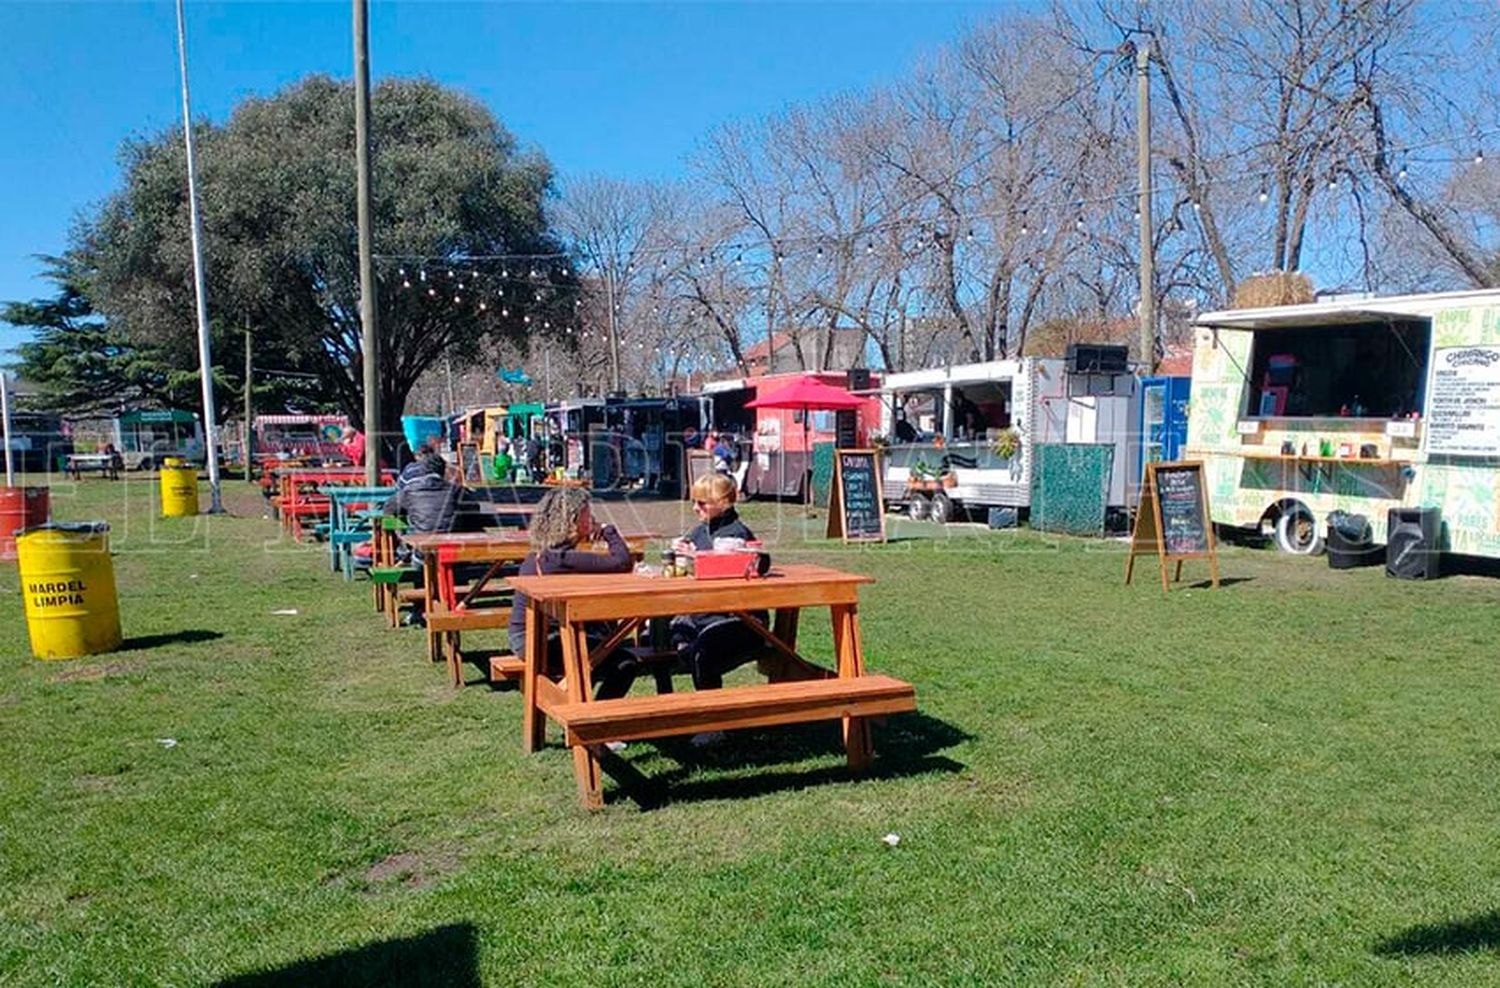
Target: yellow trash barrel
point(68, 583)
point(179, 488)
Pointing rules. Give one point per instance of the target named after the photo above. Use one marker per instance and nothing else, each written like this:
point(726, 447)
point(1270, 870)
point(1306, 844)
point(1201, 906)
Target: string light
point(423, 274)
point(1479, 156)
point(870, 248)
point(432, 293)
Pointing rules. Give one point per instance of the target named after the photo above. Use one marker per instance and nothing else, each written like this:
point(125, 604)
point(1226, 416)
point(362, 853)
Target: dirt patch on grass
point(411, 869)
point(97, 783)
point(87, 674)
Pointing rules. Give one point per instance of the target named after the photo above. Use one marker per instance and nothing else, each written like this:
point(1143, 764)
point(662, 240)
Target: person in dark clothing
point(563, 520)
point(429, 502)
point(712, 644)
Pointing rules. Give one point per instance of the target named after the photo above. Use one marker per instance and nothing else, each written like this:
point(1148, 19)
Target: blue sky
point(617, 88)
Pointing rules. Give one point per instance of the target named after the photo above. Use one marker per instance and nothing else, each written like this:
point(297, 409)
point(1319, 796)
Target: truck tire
point(917, 506)
point(942, 508)
point(1297, 531)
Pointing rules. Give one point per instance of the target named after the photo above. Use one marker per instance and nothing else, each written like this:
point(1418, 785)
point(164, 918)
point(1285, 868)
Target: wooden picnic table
point(447, 613)
point(800, 690)
point(299, 495)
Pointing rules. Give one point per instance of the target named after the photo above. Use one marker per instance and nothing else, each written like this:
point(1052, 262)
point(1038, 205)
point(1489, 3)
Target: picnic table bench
point(348, 524)
point(800, 691)
point(300, 500)
point(77, 464)
point(452, 608)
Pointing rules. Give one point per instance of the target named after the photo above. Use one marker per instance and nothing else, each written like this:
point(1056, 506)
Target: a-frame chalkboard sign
point(1172, 521)
point(856, 508)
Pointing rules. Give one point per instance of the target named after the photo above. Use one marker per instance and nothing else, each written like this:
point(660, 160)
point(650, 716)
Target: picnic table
point(799, 691)
point(78, 463)
point(348, 525)
point(451, 610)
point(300, 499)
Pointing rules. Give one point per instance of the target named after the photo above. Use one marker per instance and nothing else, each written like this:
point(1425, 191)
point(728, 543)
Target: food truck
point(775, 446)
point(299, 436)
point(961, 438)
point(568, 426)
point(644, 436)
point(1357, 406)
point(145, 438)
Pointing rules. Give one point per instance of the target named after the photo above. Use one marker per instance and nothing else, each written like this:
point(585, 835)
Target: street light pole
point(369, 340)
point(200, 279)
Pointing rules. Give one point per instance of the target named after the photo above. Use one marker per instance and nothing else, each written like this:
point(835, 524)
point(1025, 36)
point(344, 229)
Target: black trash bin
point(1350, 542)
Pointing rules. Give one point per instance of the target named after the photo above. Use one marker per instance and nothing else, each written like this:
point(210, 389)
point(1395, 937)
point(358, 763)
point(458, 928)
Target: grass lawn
point(1292, 779)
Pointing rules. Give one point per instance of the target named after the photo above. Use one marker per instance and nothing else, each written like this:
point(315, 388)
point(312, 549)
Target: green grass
point(1288, 780)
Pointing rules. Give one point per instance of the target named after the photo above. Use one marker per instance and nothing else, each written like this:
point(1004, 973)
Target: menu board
point(1463, 402)
point(856, 510)
point(1173, 520)
point(468, 464)
point(1179, 496)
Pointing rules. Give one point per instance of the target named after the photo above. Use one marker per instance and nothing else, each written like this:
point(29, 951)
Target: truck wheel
point(917, 507)
point(146, 464)
point(1297, 532)
point(942, 508)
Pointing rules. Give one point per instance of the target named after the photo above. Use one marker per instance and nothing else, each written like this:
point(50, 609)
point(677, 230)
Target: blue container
point(1004, 518)
point(419, 428)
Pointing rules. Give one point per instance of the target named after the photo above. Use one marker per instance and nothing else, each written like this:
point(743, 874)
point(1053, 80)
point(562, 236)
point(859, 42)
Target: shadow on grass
point(1463, 936)
point(137, 643)
point(906, 745)
point(444, 957)
point(1224, 581)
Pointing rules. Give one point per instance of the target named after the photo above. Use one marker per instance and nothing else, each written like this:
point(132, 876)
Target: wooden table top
point(594, 596)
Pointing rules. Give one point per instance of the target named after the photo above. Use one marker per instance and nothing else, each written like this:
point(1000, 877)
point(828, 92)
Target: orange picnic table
point(448, 613)
point(800, 690)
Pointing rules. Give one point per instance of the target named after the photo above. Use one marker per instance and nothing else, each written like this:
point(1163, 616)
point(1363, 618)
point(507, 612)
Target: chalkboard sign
point(1173, 520)
point(469, 468)
point(856, 509)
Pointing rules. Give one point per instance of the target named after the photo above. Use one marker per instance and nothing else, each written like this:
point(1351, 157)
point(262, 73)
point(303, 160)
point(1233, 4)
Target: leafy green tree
point(278, 190)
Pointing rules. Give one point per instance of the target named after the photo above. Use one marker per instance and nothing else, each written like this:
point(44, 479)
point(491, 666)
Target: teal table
point(349, 512)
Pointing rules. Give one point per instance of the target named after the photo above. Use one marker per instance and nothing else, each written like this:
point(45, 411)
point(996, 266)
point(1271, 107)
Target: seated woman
point(712, 644)
point(564, 518)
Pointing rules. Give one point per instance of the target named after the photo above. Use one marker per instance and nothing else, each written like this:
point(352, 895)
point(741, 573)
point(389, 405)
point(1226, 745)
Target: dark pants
point(613, 675)
point(711, 645)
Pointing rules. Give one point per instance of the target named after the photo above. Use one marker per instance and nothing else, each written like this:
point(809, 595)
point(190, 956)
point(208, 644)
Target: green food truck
point(1359, 406)
point(145, 438)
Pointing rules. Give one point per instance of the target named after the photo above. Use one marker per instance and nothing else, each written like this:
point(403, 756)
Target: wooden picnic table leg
point(576, 670)
point(533, 720)
point(851, 665)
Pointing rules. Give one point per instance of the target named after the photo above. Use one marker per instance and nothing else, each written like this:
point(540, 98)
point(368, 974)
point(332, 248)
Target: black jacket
point(431, 504)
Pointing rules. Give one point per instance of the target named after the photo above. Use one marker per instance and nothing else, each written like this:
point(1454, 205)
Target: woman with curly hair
point(564, 520)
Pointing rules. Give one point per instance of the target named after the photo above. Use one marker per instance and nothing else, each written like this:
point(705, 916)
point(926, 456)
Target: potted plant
point(1007, 444)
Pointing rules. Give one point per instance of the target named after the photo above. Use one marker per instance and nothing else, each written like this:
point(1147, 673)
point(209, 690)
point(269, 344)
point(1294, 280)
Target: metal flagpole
point(368, 313)
point(10, 473)
point(200, 281)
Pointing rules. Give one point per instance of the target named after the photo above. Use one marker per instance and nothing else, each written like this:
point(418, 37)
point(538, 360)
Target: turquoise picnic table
point(349, 512)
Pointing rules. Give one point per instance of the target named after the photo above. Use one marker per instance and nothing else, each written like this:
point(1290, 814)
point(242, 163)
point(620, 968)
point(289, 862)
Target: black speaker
point(1097, 358)
point(1411, 543)
point(859, 379)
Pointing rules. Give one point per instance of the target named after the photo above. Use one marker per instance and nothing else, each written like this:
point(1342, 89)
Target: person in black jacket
point(429, 502)
point(564, 520)
point(712, 644)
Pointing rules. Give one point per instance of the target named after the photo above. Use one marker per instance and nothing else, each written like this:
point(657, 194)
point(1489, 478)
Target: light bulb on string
point(870, 247)
point(460, 286)
point(1401, 174)
point(505, 272)
point(505, 312)
point(401, 272)
point(533, 273)
point(422, 275)
point(737, 259)
point(971, 235)
point(1479, 156)
point(526, 319)
point(1265, 195)
point(820, 253)
point(1197, 206)
point(457, 299)
point(432, 293)
point(1333, 181)
point(450, 272)
point(406, 283)
point(499, 293)
point(1079, 224)
point(537, 296)
point(483, 306)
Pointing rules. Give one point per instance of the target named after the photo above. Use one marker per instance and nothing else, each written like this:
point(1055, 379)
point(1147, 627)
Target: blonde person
point(710, 645)
point(564, 520)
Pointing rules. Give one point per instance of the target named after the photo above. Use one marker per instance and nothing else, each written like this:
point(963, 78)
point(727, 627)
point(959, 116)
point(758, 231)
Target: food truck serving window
point(1363, 370)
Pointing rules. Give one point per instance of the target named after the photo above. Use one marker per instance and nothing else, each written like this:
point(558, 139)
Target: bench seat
point(761, 705)
point(468, 619)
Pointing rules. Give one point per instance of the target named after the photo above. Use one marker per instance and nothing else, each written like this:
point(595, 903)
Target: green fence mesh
point(1070, 487)
point(822, 472)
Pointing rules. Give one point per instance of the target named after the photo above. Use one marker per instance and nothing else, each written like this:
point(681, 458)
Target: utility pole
point(547, 371)
point(370, 337)
point(448, 376)
point(249, 443)
point(1143, 165)
point(614, 330)
point(200, 279)
point(10, 473)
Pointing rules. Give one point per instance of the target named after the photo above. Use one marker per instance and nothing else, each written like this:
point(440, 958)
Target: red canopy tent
point(808, 394)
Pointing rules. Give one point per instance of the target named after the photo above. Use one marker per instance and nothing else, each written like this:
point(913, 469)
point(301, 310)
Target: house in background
point(777, 354)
